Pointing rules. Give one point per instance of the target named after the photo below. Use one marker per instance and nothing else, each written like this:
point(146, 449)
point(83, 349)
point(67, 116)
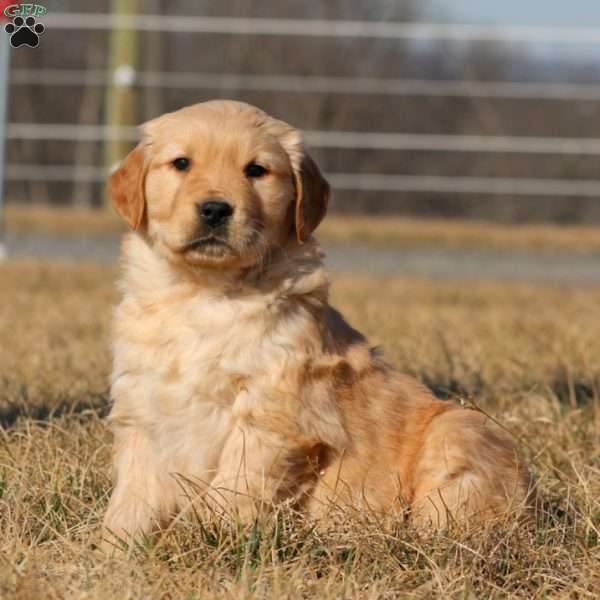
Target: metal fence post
point(4, 76)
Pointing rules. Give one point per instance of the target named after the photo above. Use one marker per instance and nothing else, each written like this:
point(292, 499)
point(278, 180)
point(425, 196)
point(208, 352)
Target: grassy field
point(368, 230)
point(527, 355)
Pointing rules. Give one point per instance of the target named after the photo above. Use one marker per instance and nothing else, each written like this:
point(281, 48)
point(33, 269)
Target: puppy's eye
point(255, 170)
point(181, 164)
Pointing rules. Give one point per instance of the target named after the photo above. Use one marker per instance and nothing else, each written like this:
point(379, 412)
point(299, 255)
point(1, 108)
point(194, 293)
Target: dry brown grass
point(448, 233)
point(528, 355)
point(40, 218)
point(375, 231)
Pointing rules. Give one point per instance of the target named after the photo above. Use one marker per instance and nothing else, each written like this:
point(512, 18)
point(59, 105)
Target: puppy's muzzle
point(214, 212)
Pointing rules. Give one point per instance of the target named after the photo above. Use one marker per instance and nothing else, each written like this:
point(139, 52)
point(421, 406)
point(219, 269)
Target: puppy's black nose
point(215, 212)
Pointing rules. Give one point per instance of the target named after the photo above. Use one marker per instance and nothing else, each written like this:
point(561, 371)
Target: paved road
point(565, 269)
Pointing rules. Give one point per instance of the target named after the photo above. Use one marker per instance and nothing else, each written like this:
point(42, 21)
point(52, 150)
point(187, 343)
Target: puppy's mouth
point(211, 245)
point(212, 249)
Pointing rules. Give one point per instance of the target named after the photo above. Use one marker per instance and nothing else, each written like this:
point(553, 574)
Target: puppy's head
point(219, 184)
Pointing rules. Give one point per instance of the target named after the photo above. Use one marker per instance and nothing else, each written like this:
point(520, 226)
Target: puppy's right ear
point(126, 188)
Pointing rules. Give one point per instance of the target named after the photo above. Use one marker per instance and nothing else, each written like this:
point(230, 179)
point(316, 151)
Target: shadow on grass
point(450, 388)
point(570, 391)
point(573, 391)
point(14, 412)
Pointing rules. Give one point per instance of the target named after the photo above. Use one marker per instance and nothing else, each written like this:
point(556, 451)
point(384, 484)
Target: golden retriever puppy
point(231, 370)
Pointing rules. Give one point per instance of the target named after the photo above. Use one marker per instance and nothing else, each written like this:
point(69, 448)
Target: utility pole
point(120, 102)
point(153, 61)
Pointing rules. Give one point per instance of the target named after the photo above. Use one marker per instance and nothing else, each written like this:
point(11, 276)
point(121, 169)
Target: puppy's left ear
point(126, 188)
point(312, 189)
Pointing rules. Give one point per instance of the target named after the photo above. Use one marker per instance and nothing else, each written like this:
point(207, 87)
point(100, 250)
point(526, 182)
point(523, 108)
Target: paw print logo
point(24, 32)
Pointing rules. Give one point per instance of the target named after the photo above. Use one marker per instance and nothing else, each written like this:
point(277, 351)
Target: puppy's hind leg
point(468, 469)
point(143, 497)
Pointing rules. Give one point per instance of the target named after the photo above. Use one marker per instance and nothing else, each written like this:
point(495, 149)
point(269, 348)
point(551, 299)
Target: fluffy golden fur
point(234, 378)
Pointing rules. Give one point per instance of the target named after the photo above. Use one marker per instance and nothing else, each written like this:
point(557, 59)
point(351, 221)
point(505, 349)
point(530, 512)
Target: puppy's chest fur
point(192, 366)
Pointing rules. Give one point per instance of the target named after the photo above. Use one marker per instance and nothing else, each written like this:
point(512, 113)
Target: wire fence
point(325, 28)
point(310, 84)
point(551, 145)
